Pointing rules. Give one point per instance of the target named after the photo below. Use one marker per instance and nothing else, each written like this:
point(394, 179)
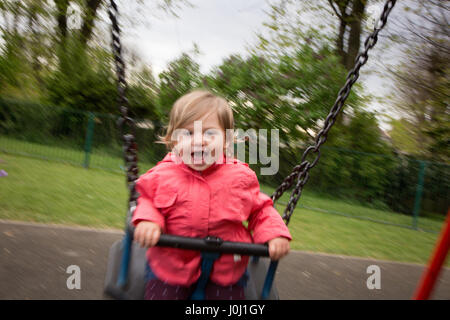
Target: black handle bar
point(213, 244)
point(209, 244)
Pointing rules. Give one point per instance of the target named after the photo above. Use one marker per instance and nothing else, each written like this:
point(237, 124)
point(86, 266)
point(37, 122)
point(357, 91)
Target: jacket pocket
point(165, 198)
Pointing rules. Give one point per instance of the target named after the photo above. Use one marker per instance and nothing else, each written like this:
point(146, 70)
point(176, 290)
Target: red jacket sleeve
point(145, 209)
point(265, 221)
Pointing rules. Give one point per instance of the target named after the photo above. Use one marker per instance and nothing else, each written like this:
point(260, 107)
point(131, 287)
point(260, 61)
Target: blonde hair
point(193, 106)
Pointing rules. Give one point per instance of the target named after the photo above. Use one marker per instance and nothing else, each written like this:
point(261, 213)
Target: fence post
point(88, 142)
point(419, 191)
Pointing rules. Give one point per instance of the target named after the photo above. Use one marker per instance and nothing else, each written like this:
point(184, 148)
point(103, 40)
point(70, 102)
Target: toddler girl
point(197, 191)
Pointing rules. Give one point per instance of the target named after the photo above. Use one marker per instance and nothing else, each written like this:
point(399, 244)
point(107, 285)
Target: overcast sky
point(218, 27)
point(221, 28)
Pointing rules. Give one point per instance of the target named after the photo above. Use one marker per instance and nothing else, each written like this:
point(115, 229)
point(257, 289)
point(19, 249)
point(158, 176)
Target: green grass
point(322, 203)
point(53, 192)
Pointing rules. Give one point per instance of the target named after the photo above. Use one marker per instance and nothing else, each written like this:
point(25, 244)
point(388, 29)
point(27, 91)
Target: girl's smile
point(200, 144)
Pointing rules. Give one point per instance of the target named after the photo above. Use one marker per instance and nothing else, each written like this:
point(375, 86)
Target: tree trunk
point(340, 8)
point(354, 41)
point(348, 51)
point(34, 44)
point(340, 41)
point(61, 18)
point(89, 19)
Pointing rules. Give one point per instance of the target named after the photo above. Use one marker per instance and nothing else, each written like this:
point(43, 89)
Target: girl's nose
point(198, 139)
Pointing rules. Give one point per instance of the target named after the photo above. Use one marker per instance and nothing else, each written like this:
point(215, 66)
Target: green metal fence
point(77, 137)
point(415, 192)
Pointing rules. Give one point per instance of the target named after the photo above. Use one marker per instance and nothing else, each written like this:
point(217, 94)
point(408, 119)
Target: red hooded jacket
point(213, 202)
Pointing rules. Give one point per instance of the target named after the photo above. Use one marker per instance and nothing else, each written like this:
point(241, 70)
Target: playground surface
point(35, 260)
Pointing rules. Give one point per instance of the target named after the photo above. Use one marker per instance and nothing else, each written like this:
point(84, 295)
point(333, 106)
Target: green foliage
point(438, 128)
point(27, 120)
point(403, 136)
point(42, 123)
point(25, 45)
point(362, 133)
point(15, 77)
point(401, 190)
point(182, 75)
point(247, 84)
point(356, 161)
point(83, 80)
point(142, 95)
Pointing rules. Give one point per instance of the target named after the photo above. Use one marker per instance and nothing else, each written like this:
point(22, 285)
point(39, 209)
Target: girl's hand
point(278, 248)
point(147, 233)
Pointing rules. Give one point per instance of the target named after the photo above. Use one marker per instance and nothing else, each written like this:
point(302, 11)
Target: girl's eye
point(181, 134)
point(211, 132)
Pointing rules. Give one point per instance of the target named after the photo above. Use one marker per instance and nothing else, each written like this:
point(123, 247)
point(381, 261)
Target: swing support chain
point(125, 123)
point(301, 172)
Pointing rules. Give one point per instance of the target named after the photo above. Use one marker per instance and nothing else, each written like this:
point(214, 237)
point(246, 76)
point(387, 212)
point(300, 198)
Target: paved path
point(34, 259)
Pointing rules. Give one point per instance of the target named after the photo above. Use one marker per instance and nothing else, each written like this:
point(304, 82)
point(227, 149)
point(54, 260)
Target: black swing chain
point(126, 124)
point(301, 172)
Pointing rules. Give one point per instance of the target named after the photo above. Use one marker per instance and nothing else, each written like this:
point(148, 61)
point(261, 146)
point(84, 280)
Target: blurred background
point(381, 188)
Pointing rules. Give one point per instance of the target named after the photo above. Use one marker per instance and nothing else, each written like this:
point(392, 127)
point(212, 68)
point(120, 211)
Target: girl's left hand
point(278, 248)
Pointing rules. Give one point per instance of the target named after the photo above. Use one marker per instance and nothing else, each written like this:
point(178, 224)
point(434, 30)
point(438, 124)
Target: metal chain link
point(125, 123)
point(301, 172)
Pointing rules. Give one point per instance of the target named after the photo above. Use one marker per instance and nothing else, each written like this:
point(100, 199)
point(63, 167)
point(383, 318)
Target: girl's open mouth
point(198, 157)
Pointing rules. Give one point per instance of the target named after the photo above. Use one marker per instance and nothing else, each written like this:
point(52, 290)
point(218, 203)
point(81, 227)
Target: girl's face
point(200, 143)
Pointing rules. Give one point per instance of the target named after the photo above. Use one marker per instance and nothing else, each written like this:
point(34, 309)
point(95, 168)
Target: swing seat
point(134, 286)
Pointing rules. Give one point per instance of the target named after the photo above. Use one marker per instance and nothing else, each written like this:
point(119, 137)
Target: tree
point(24, 46)
point(142, 95)
point(423, 79)
point(36, 34)
point(403, 133)
point(356, 162)
point(90, 13)
point(61, 18)
point(289, 25)
point(351, 15)
point(89, 9)
point(84, 80)
point(182, 75)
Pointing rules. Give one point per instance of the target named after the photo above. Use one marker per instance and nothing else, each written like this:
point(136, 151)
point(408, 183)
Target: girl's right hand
point(147, 233)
